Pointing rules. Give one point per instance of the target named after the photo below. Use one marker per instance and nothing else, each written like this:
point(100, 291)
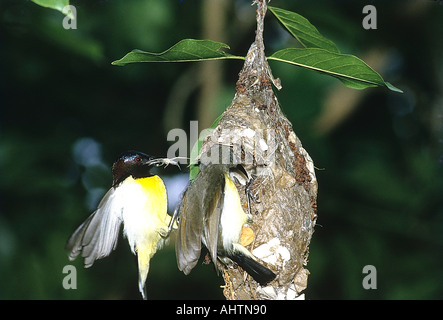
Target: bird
point(138, 199)
point(210, 213)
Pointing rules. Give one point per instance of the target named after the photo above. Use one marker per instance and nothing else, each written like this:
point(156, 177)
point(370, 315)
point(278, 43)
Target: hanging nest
point(284, 185)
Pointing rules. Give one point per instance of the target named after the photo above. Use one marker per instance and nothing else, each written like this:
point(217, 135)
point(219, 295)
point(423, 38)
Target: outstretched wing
point(97, 236)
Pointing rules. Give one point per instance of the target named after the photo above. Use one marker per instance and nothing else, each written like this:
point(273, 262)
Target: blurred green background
point(66, 113)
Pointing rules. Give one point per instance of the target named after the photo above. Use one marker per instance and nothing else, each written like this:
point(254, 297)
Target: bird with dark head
point(131, 163)
point(138, 199)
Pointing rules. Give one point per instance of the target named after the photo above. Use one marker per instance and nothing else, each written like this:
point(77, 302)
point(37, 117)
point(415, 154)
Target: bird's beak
point(163, 161)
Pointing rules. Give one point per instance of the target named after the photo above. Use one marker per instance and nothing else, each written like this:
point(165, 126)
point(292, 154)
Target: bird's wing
point(189, 233)
point(212, 208)
point(97, 236)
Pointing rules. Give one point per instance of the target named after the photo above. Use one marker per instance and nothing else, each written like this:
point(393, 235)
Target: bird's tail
point(145, 251)
point(144, 258)
point(247, 262)
point(143, 274)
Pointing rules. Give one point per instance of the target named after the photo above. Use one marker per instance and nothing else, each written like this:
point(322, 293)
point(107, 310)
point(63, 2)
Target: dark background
point(66, 113)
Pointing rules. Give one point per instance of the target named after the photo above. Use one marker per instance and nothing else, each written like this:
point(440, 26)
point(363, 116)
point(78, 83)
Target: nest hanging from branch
point(285, 185)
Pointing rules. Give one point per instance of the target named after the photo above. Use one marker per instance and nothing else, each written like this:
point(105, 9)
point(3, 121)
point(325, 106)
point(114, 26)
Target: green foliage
point(195, 150)
point(301, 29)
point(184, 51)
point(320, 54)
point(53, 4)
point(350, 70)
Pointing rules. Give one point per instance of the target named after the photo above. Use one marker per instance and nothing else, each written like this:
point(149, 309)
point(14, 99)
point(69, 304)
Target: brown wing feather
point(189, 234)
point(212, 207)
point(199, 213)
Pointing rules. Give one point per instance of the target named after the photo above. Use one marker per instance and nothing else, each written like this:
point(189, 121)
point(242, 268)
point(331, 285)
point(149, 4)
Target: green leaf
point(195, 151)
point(184, 51)
point(392, 87)
point(352, 71)
point(54, 4)
point(303, 30)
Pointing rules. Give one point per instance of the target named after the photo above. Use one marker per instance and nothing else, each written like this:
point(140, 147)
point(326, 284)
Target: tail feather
point(141, 288)
point(260, 273)
point(144, 255)
point(143, 274)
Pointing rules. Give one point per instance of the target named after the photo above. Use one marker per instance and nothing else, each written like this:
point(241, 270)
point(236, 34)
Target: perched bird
point(138, 199)
point(211, 213)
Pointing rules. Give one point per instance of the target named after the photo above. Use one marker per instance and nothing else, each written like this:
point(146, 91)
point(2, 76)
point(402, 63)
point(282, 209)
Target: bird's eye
point(138, 159)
